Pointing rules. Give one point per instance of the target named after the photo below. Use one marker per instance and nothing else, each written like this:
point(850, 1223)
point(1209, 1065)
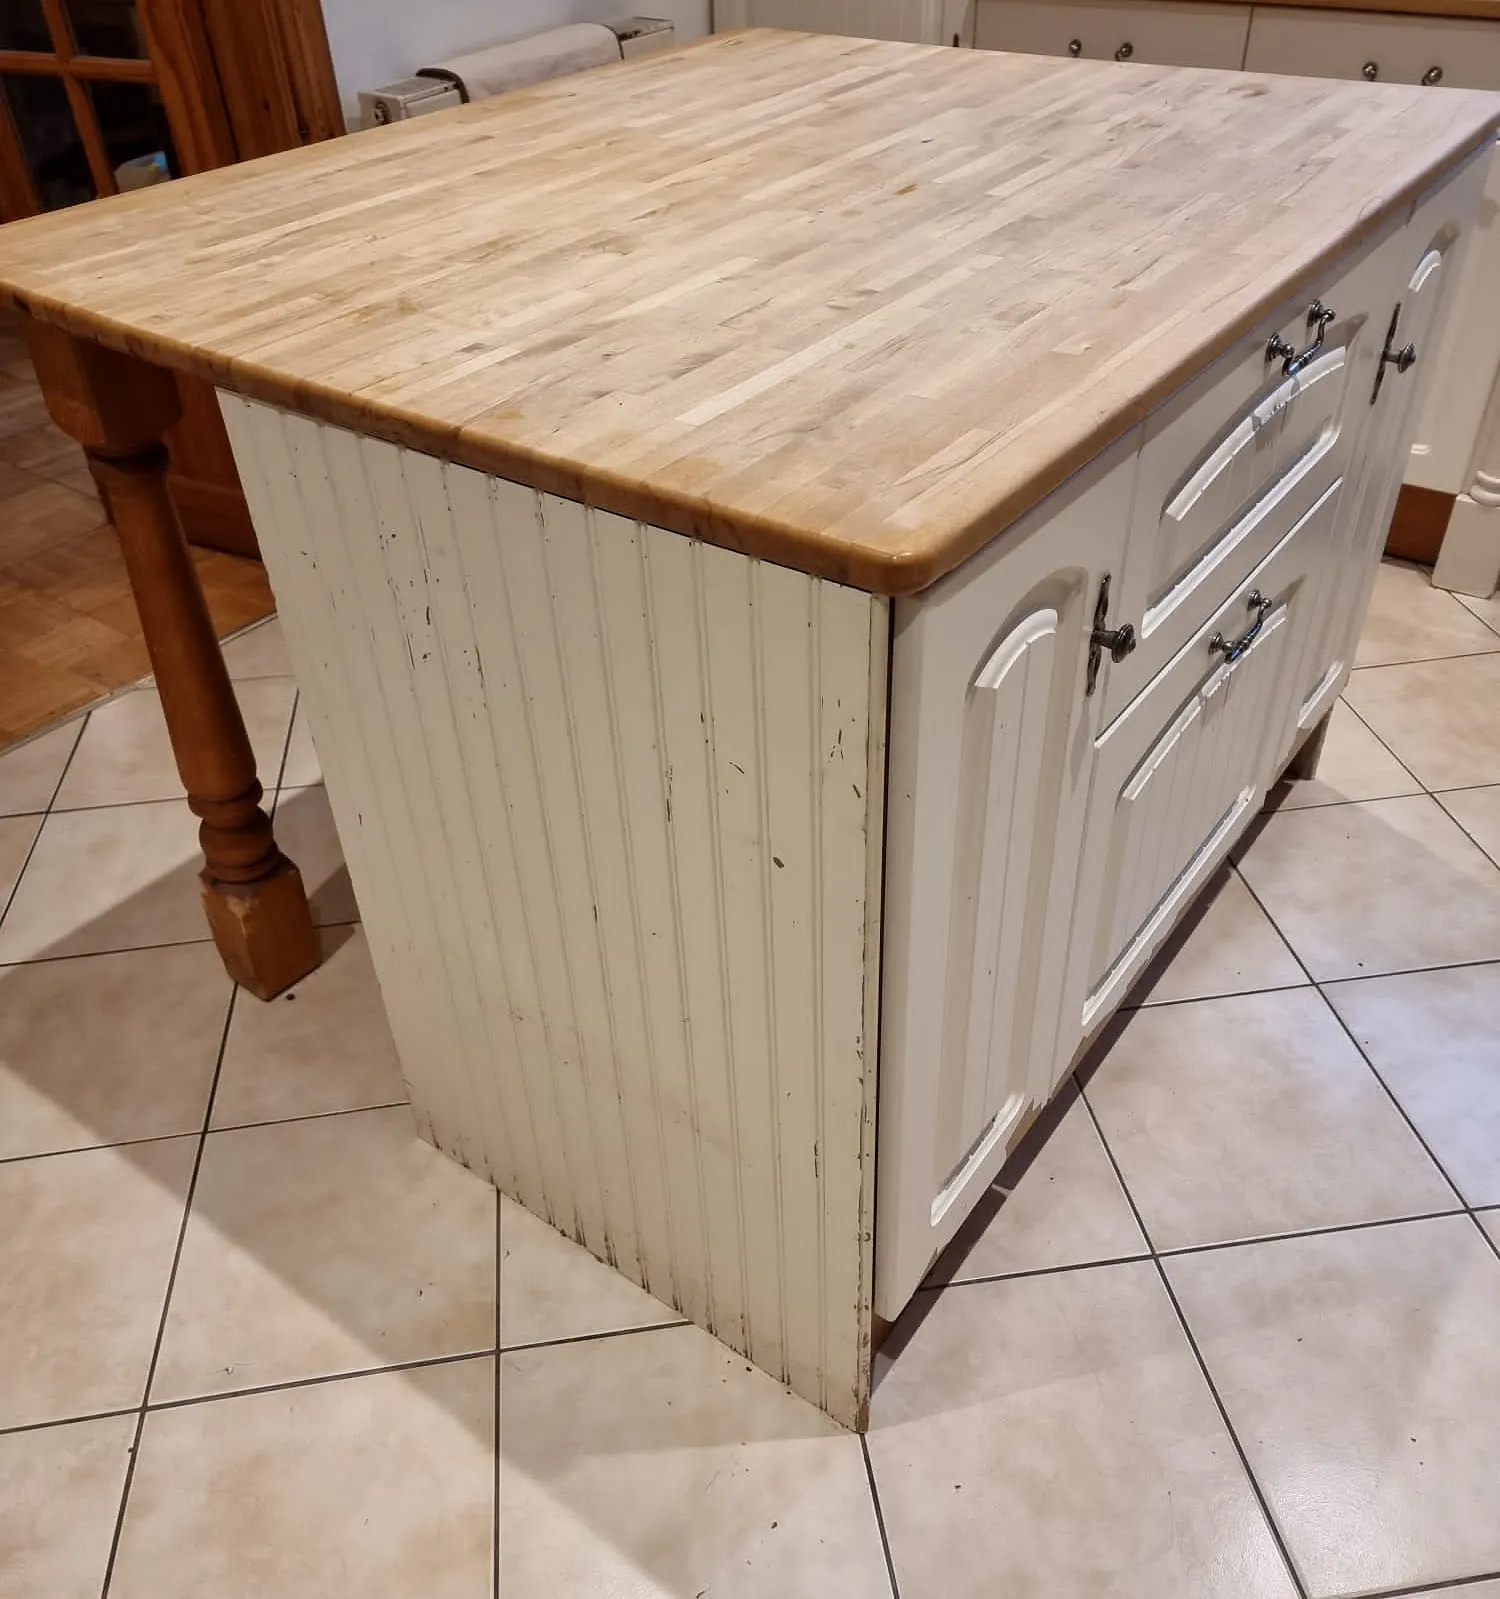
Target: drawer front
point(1189, 761)
point(1352, 44)
point(1168, 33)
point(1234, 460)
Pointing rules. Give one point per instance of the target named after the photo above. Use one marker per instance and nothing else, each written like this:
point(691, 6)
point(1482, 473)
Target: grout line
point(885, 1542)
point(161, 1325)
point(132, 949)
point(1311, 1232)
point(1187, 1332)
point(1382, 743)
point(495, 1442)
point(93, 1149)
point(1424, 660)
point(1443, 1585)
point(15, 889)
point(1348, 1033)
point(286, 750)
point(66, 1421)
point(1390, 1094)
point(1198, 999)
point(1037, 1271)
point(594, 1337)
point(1405, 971)
point(309, 1116)
point(320, 1380)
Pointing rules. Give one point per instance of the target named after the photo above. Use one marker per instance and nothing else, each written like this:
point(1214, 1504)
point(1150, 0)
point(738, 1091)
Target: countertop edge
point(846, 561)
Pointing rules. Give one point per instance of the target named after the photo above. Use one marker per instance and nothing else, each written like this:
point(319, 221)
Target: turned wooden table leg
point(118, 408)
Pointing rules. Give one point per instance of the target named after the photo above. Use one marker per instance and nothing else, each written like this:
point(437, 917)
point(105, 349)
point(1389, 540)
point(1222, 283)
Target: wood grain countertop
point(850, 306)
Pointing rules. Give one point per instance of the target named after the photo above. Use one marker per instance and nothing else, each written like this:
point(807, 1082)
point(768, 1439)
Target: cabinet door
point(991, 730)
point(1429, 258)
point(1173, 33)
point(914, 21)
point(1180, 771)
point(1456, 52)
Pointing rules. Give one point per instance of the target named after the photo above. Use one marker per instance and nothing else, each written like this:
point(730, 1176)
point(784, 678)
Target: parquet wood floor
point(69, 633)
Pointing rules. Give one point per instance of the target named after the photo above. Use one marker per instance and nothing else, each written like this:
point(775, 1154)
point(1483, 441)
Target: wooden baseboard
point(214, 516)
point(1417, 528)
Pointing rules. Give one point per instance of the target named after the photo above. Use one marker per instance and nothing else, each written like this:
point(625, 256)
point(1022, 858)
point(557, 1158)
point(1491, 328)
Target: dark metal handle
point(1293, 360)
point(1232, 652)
point(1403, 359)
point(1119, 641)
point(1432, 75)
point(1125, 51)
point(1371, 71)
point(1075, 47)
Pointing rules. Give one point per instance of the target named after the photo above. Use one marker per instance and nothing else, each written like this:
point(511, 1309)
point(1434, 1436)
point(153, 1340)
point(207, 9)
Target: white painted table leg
point(1469, 561)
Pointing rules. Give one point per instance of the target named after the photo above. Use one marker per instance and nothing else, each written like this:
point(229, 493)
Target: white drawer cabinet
point(1452, 51)
point(1163, 31)
point(1043, 839)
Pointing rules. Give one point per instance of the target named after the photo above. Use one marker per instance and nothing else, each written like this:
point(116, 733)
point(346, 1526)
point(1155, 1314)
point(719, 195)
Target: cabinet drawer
point(1459, 53)
point(1166, 32)
point(1233, 460)
point(1191, 757)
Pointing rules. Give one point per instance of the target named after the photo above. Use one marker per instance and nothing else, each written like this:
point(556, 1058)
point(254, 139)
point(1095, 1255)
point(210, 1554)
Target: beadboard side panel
point(612, 805)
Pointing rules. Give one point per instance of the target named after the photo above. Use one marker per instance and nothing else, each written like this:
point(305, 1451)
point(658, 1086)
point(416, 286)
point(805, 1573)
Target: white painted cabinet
point(1174, 33)
point(1457, 52)
point(737, 920)
point(916, 21)
point(1041, 839)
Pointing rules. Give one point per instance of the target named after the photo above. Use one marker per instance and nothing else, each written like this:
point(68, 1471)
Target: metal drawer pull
point(1232, 652)
point(1125, 51)
point(1293, 360)
point(1075, 47)
point(1432, 75)
point(1119, 641)
point(1371, 71)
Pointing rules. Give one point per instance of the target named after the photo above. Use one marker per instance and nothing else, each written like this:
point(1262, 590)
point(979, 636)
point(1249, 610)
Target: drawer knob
point(1432, 75)
point(1125, 51)
point(1231, 652)
point(1075, 47)
point(1371, 71)
point(1294, 360)
point(1119, 641)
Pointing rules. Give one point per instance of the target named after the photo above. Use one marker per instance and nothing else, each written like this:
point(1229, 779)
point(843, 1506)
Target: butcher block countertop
point(850, 306)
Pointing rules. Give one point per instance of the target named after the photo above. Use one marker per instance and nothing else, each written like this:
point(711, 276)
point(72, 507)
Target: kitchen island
point(801, 555)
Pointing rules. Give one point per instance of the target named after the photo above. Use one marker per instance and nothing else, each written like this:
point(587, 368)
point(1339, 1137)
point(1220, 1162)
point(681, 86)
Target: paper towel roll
point(553, 54)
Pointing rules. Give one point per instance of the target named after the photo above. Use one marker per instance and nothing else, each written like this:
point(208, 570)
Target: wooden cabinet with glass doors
point(97, 96)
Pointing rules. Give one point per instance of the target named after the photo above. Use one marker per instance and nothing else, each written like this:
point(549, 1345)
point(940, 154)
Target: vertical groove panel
point(613, 804)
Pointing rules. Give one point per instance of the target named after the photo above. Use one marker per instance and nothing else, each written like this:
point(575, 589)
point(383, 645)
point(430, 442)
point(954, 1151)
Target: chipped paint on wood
point(611, 801)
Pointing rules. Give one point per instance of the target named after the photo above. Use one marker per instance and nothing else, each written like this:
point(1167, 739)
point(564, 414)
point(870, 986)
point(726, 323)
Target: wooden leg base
point(1304, 764)
point(264, 932)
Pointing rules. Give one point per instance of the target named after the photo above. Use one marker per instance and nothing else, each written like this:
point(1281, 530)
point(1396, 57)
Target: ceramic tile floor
point(1226, 1329)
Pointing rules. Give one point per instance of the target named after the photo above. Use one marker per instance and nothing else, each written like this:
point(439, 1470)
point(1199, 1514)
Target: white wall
point(376, 41)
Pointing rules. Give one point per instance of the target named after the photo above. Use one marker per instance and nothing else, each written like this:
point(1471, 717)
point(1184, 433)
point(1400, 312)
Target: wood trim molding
point(276, 73)
point(1417, 528)
point(188, 80)
point(96, 69)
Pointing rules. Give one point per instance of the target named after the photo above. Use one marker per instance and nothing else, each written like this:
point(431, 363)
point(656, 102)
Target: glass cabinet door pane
point(49, 140)
point(135, 129)
point(106, 28)
point(23, 26)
